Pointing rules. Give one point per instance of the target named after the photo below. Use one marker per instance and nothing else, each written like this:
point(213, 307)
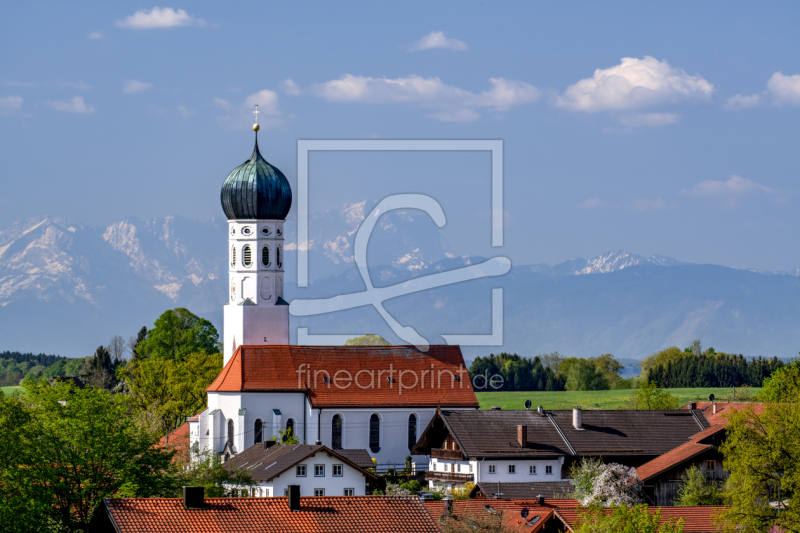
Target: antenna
point(710, 397)
point(527, 404)
point(524, 513)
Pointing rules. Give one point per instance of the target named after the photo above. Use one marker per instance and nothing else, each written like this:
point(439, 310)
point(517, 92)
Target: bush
point(697, 490)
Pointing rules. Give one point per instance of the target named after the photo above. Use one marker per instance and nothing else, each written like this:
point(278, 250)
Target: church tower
point(256, 198)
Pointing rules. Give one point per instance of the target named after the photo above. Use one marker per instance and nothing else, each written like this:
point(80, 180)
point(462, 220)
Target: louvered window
point(278, 256)
point(247, 260)
point(265, 256)
point(233, 256)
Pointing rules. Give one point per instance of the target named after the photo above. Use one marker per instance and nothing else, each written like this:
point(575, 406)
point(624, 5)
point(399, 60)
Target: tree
point(178, 333)
point(100, 370)
point(135, 341)
point(663, 357)
point(286, 436)
point(697, 490)
point(650, 396)
point(367, 340)
point(624, 519)
point(220, 480)
point(116, 348)
point(584, 374)
point(64, 449)
point(762, 454)
point(165, 391)
point(606, 485)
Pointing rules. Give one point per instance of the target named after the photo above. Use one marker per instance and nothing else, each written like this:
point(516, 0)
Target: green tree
point(286, 436)
point(163, 392)
point(220, 480)
point(673, 353)
point(584, 374)
point(100, 370)
point(64, 449)
point(697, 490)
point(762, 454)
point(624, 519)
point(650, 396)
point(178, 333)
point(367, 340)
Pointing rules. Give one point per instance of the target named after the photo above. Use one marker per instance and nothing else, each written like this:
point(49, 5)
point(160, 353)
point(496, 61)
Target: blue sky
point(657, 128)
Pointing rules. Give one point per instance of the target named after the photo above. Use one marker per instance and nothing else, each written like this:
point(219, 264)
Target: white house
point(317, 470)
point(372, 397)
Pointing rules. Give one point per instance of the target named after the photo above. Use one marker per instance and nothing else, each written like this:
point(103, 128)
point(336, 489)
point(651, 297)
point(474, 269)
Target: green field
point(9, 390)
point(603, 399)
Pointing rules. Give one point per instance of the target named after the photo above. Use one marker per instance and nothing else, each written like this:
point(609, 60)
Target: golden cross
point(256, 113)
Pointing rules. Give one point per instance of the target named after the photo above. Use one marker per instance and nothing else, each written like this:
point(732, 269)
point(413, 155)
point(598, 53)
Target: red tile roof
point(357, 514)
point(511, 511)
point(698, 519)
point(357, 375)
point(723, 409)
point(679, 455)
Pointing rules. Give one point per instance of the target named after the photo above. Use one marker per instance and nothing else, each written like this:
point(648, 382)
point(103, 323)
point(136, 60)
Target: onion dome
point(256, 190)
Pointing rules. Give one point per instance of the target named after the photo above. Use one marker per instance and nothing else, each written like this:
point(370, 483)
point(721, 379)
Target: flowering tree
point(606, 485)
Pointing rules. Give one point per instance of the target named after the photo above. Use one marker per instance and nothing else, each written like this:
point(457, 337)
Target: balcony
point(450, 455)
point(448, 477)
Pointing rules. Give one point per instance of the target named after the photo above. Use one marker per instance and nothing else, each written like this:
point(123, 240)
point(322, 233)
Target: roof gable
point(352, 376)
point(265, 464)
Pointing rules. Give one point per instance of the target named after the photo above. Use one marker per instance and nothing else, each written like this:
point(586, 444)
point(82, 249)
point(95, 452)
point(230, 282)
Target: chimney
point(693, 406)
point(577, 418)
point(713, 408)
point(496, 408)
point(318, 443)
point(522, 435)
point(448, 506)
point(193, 498)
point(269, 444)
point(294, 497)
point(540, 410)
point(540, 499)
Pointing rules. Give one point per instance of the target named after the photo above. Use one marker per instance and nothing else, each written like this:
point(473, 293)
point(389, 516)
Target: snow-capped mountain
point(607, 262)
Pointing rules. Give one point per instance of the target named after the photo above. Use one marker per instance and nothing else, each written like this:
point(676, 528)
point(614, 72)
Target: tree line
point(711, 369)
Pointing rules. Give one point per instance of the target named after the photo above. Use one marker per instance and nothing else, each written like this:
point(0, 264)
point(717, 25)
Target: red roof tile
point(723, 409)
point(357, 514)
point(510, 509)
point(698, 519)
point(679, 455)
point(357, 375)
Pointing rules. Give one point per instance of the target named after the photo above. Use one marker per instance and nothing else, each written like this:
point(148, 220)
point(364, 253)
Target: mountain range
point(66, 288)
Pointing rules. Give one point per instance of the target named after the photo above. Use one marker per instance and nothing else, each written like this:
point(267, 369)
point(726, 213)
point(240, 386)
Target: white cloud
point(159, 17)
point(437, 39)
point(592, 203)
point(9, 104)
point(20, 84)
point(96, 35)
point(645, 204)
point(76, 105)
point(648, 119)
point(741, 101)
point(224, 104)
point(185, 113)
point(290, 87)
point(430, 92)
point(79, 85)
point(730, 190)
point(634, 83)
point(134, 86)
point(267, 102)
point(784, 89)
point(456, 115)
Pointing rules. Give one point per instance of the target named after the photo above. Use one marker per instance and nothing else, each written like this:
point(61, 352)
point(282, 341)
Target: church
point(377, 398)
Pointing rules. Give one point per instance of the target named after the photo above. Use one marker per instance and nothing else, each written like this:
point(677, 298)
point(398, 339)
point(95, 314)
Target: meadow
point(604, 399)
point(9, 390)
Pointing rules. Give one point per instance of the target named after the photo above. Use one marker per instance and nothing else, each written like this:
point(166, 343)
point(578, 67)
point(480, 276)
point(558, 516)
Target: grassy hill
point(605, 399)
point(9, 390)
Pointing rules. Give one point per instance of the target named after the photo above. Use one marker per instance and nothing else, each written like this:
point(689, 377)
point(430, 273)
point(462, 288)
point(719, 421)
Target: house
point(293, 514)
point(717, 412)
point(372, 397)
point(316, 469)
point(491, 490)
point(698, 519)
point(525, 515)
point(541, 446)
point(662, 476)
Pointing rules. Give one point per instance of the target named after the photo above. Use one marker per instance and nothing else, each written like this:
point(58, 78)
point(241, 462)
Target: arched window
point(230, 432)
point(246, 259)
point(265, 256)
point(375, 433)
point(412, 431)
point(259, 431)
point(233, 256)
point(278, 256)
point(336, 432)
point(290, 425)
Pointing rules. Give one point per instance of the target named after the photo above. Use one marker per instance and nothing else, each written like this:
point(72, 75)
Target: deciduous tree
point(178, 333)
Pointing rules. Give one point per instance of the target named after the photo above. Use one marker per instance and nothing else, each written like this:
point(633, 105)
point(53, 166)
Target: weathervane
point(256, 127)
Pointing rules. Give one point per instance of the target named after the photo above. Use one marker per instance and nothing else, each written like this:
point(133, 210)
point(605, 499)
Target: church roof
point(352, 376)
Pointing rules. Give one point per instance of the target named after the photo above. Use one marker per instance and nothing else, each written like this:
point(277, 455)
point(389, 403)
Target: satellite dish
point(710, 397)
point(524, 513)
point(527, 404)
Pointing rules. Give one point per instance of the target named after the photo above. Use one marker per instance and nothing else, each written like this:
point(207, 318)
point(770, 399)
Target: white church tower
point(256, 198)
